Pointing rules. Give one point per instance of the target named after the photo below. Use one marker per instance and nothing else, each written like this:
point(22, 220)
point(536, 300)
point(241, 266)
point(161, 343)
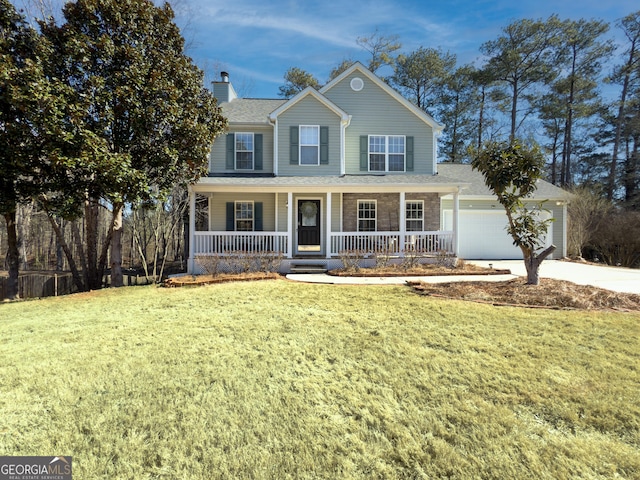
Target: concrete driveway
point(618, 279)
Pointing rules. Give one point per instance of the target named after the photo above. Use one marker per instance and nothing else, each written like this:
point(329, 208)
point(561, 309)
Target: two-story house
point(349, 167)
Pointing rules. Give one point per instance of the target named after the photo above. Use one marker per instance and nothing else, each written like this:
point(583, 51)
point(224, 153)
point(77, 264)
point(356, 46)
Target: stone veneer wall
point(388, 210)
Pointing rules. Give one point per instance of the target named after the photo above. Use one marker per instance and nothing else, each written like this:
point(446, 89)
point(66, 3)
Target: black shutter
point(257, 226)
point(364, 153)
point(293, 148)
point(231, 151)
point(324, 145)
point(231, 216)
point(257, 151)
point(409, 153)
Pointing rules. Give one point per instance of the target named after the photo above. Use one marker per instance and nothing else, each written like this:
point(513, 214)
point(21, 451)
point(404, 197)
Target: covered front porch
point(316, 223)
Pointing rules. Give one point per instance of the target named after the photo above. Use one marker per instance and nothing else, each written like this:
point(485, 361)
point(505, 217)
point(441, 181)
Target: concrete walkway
point(612, 278)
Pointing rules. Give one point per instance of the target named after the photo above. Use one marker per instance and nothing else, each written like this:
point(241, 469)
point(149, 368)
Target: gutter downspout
point(456, 222)
point(346, 121)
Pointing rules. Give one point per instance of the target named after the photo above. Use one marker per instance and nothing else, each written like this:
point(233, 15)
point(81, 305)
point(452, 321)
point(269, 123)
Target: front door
point(309, 226)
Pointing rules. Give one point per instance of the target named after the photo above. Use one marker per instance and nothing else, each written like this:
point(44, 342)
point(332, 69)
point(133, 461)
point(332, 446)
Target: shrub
point(352, 259)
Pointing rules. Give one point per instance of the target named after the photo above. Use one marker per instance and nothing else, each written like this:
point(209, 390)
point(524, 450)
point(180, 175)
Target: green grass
point(281, 380)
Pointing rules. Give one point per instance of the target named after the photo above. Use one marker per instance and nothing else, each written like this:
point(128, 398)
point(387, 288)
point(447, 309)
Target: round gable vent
point(357, 84)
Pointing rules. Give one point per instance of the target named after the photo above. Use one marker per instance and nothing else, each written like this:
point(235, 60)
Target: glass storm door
point(309, 225)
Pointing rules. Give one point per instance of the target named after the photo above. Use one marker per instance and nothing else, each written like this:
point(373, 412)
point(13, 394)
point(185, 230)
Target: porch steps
point(307, 268)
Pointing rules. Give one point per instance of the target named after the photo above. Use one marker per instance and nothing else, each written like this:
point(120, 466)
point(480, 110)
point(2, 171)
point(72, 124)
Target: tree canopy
point(511, 170)
point(132, 118)
point(296, 80)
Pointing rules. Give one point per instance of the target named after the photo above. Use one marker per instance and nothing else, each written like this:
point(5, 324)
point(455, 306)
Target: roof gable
point(361, 69)
point(310, 91)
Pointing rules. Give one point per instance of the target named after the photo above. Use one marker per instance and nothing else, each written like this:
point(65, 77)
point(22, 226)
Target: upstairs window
point(414, 216)
point(387, 153)
point(309, 145)
point(367, 215)
point(244, 151)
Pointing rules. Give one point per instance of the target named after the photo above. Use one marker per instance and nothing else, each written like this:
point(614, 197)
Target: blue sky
point(256, 41)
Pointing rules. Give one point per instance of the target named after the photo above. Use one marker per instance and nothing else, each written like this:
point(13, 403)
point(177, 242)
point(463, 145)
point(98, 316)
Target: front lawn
point(277, 379)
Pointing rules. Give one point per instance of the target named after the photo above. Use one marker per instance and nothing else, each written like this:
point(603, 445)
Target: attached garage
point(483, 235)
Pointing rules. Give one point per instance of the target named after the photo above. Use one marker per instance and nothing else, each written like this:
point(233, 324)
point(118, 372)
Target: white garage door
point(483, 235)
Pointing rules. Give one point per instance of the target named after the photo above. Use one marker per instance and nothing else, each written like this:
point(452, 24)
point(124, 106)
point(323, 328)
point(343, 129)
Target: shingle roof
point(464, 173)
point(344, 180)
point(250, 110)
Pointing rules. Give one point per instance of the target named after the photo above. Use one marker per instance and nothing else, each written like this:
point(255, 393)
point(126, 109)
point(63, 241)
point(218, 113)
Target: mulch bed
point(554, 294)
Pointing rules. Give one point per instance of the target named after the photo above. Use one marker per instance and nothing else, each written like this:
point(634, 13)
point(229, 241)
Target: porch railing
point(392, 243)
point(219, 243)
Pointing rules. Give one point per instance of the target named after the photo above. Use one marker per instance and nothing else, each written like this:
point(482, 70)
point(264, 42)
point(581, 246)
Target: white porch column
point(328, 234)
point(456, 218)
point(290, 211)
point(275, 228)
point(192, 230)
point(402, 222)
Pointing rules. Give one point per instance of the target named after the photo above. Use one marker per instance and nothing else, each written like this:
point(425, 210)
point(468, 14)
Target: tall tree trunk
point(620, 121)
point(13, 255)
point(91, 210)
point(532, 263)
point(514, 111)
point(481, 118)
point(75, 273)
point(117, 279)
point(631, 180)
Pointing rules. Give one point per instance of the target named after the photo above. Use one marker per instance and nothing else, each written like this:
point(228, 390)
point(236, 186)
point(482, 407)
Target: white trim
point(328, 214)
point(276, 226)
point(356, 84)
point(275, 148)
point(406, 203)
point(315, 94)
point(236, 151)
point(363, 200)
point(323, 247)
point(300, 145)
point(403, 213)
point(253, 215)
point(564, 230)
point(290, 232)
point(386, 153)
point(456, 223)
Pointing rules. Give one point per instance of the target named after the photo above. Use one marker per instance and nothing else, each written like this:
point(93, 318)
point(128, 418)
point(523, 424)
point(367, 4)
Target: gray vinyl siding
point(282, 212)
point(218, 213)
point(218, 155)
point(375, 112)
point(308, 111)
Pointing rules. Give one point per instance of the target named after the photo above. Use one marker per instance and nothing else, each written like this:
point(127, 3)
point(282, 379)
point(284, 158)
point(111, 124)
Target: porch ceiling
point(319, 184)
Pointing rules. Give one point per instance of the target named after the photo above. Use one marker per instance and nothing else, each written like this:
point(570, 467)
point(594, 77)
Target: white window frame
point(236, 219)
point(406, 215)
point(237, 150)
point(302, 145)
point(386, 152)
point(375, 218)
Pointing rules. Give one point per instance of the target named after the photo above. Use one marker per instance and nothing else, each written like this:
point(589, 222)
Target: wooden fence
point(36, 285)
